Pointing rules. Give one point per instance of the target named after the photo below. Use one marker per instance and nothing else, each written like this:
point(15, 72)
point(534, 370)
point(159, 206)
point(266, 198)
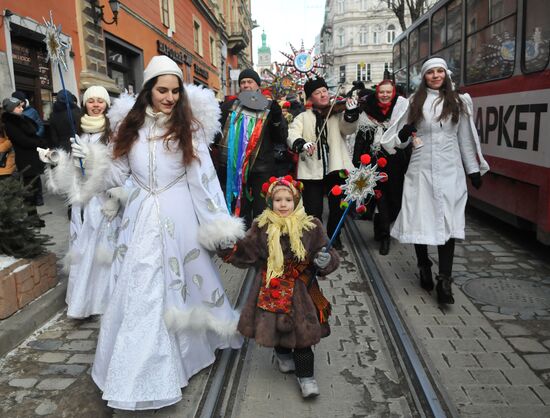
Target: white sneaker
point(308, 386)
point(285, 362)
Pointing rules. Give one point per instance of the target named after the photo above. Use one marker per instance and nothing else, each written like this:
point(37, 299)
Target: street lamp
point(97, 11)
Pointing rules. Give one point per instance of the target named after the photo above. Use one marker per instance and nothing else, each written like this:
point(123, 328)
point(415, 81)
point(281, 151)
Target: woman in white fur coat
point(169, 312)
point(93, 232)
point(439, 123)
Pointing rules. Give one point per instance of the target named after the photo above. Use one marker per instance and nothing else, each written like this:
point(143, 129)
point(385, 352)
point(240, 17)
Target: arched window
point(363, 35)
point(390, 34)
point(341, 37)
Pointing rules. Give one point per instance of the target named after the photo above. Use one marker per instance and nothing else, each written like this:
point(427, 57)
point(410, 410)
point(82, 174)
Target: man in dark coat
point(60, 125)
point(21, 131)
point(262, 157)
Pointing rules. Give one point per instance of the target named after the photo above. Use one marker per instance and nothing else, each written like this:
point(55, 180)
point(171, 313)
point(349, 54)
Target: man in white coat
point(318, 135)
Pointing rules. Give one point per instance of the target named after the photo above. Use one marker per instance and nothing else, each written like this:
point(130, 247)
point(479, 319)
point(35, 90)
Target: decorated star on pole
point(302, 63)
point(360, 183)
point(55, 45)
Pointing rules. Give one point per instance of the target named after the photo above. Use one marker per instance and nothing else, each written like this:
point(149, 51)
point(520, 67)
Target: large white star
point(55, 45)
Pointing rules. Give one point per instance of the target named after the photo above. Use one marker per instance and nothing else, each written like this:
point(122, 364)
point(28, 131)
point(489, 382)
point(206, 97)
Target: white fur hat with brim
point(97, 91)
point(161, 65)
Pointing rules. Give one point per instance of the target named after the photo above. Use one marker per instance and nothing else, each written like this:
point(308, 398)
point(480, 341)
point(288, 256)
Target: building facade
point(357, 38)
point(110, 43)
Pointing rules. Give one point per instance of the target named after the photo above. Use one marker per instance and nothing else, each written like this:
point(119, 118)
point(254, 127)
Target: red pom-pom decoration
point(265, 188)
point(365, 159)
point(272, 179)
point(274, 283)
point(336, 190)
point(275, 294)
point(288, 178)
point(384, 177)
point(361, 209)
point(382, 162)
point(343, 204)
point(377, 194)
point(286, 105)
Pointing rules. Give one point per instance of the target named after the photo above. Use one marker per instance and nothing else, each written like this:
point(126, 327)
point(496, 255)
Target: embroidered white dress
point(434, 190)
point(92, 242)
point(169, 312)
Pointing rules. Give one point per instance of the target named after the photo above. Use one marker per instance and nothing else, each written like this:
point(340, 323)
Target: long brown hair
point(452, 104)
point(181, 124)
point(105, 138)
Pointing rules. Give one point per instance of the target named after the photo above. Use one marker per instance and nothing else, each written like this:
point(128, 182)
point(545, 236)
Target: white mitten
point(309, 147)
point(351, 103)
point(227, 243)
point(48, 156)
point(322, 259)
point(119, 193)
point(79, 150)
point(110, 208)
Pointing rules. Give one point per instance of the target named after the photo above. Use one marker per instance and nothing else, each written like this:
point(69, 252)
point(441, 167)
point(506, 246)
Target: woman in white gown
point(93, 234)
point(169, 312)
point(434, 191)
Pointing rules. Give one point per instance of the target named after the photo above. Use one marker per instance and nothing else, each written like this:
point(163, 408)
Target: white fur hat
point(161, 65)
point(97, 91)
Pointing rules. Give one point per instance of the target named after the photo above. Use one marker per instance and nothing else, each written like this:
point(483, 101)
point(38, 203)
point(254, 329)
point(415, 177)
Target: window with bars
point(342, 74)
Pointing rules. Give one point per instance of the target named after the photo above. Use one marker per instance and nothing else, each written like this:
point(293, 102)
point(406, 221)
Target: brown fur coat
point(300, 328)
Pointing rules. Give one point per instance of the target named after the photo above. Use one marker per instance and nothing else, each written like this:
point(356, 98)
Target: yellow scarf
point(292, 225)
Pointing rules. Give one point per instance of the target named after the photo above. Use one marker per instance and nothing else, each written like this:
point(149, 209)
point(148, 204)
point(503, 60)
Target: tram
point(498, 51)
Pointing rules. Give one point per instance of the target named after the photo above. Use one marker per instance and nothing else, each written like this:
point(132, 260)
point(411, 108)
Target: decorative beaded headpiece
point(276, 183)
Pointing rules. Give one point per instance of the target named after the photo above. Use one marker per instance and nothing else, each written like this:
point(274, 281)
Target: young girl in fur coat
point(285, 309)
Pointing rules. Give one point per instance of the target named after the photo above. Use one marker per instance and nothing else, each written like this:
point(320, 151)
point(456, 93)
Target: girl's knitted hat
point(276, 183)
point(99, 92)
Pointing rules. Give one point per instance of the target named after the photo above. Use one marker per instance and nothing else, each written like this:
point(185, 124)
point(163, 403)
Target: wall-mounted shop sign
point(200, 71)
point(181, 56)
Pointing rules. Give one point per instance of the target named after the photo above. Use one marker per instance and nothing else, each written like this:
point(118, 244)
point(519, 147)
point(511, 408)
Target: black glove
point(298, 145)
point(405, 132)
point(475, 179)
point(275, 111)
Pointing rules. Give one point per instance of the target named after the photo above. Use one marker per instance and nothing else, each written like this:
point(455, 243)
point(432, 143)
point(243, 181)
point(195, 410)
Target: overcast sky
point(284, 22)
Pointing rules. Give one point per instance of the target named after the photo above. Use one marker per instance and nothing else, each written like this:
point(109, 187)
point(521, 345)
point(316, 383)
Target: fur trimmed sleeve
point(390, 139)
point(248, 251)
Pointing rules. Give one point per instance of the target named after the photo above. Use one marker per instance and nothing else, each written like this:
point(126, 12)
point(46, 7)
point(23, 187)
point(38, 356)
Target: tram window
point(401, 79)
point(490, 52)
point(423, 40)
point(502, 8)
point(477, 14)
point(452, 56)
point(537, 36)
point(454, 21)
point(414, 76)
point(413, 46)
point(397, 56)
point(438, 30)
point(403, 46)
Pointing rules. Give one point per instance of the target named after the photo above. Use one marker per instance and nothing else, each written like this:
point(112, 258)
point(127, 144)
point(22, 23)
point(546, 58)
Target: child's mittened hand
point(322, 259)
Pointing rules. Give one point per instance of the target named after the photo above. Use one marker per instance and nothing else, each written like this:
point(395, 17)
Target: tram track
point(429, 401)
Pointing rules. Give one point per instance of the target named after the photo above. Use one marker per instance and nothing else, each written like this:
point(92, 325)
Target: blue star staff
point(56, 54)
point(69, 113)
point(358, 190)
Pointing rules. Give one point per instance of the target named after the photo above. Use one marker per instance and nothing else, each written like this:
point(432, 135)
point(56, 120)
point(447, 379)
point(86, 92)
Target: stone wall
point(24, 281)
